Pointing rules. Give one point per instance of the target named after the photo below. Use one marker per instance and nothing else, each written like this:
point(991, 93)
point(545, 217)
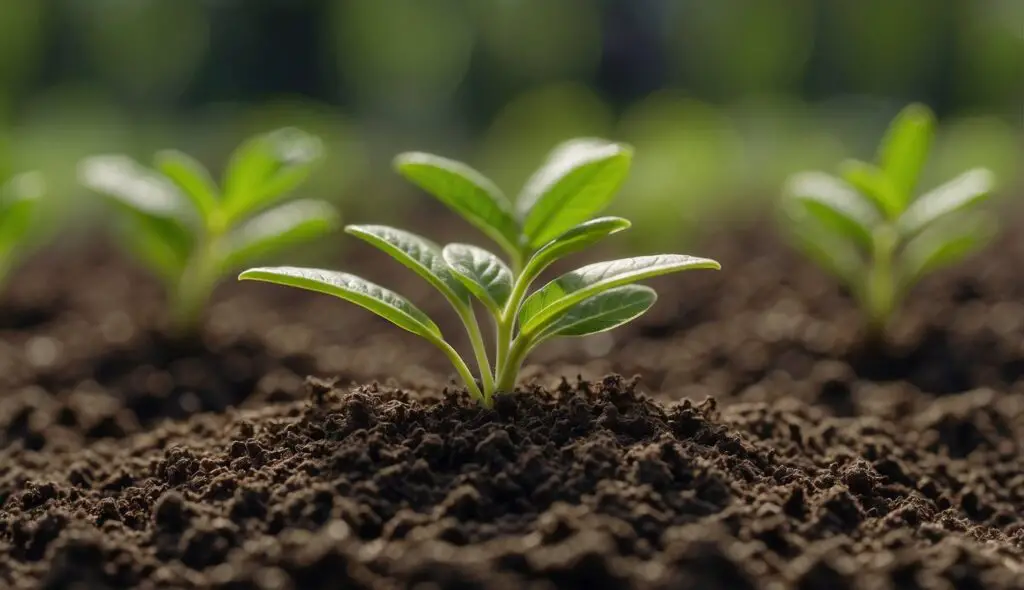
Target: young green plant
point(19, 208)
point(552, 218)
point(867, 228)
point(191, 232)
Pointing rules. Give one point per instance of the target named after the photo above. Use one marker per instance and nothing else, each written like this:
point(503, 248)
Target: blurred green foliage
point(722, 99)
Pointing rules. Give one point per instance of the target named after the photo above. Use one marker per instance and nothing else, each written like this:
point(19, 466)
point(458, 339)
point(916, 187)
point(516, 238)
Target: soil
point(763, 446)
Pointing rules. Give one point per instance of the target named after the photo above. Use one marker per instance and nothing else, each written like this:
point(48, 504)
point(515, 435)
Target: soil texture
point(590, 485)
point(765, 445)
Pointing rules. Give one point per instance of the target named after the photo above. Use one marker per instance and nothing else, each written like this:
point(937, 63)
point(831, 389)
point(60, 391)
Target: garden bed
point(763, 446)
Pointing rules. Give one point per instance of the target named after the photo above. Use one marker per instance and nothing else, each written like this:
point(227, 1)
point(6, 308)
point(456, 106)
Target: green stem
point(506, 325)
point(880, 294)
point(509, 372)
point(476, 339)
point(464, 372)
point(194, 287)
point(503, 340)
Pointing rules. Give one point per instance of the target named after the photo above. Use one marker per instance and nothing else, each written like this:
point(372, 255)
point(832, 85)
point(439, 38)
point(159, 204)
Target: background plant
point(19, 204)
point(551, 218)
point(868, 229)
point(190, 232)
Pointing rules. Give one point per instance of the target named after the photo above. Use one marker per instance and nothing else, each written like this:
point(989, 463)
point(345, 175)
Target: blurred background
point(722, 98)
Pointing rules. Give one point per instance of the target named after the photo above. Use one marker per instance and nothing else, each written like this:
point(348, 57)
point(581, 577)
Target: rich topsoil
point(764, 446)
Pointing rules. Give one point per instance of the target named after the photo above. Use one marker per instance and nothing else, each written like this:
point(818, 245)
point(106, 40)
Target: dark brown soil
point(588, 486)
point(771, 324)
point(91, 357)
point(796, 458)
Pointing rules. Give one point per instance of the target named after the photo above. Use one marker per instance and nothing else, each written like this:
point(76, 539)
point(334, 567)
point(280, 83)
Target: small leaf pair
point(553, 217)
point(868, 229)
point(19, 207)
point(190, 232)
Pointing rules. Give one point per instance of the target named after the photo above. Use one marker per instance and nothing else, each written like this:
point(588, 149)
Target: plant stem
point(464, 372)
point(195, 287)
point(476, 339)
point(880, 295)
point(506, 325)
point(507, 378)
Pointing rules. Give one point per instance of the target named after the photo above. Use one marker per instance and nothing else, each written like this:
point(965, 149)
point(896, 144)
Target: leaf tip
point(296, 146)
point(918, 113)
point(248, 274)
point(405, 159)
point(983, 178)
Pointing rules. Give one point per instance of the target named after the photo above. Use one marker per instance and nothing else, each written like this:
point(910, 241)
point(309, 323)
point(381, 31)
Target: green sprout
point(19, 207)
point(868, 229)
point(190, 232)
point(551, 219)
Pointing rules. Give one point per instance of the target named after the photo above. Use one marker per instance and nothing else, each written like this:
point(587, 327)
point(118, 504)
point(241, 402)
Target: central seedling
point(550, 220)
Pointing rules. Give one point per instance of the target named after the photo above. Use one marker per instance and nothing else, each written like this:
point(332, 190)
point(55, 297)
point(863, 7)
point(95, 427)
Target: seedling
point(550, 219)
point(190, 232)
point(868, 230)
point(19, 206)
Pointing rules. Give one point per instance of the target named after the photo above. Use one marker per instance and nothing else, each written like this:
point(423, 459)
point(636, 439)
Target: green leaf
point(904, 148)
point(162, 247)
point(963, 191)
point(872, 183)
point(19, 204)
point(191, 177)
point(604, 311)
point(418, 254)
point(574, 240)
point(944, 243)
point(484, 274)
point(555, 298)
point(383, 302)
point(159, 221)
point(136, 188)
point(833, 204)
point(833, 253)
point(267, 167)
point(578, 179)
point(466, 192)
point(277, 228)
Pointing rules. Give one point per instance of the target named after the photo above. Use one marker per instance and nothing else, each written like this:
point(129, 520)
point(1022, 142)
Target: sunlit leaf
point(555, 298)
point(466, 192)
point(158, 220)
point(266, 168)
point(604, 311)
point(904, 149)
point(963, 191)
point(277, 228)
point(383, 302)
point(191, 178)
point(484, 274)
point(835, 254)
point(574, 240)
point(137, 188)
point(418, 254)
point(944, 243)
point(578, 180)
point(833, 203)
point(871, 182)
point(157, 244)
